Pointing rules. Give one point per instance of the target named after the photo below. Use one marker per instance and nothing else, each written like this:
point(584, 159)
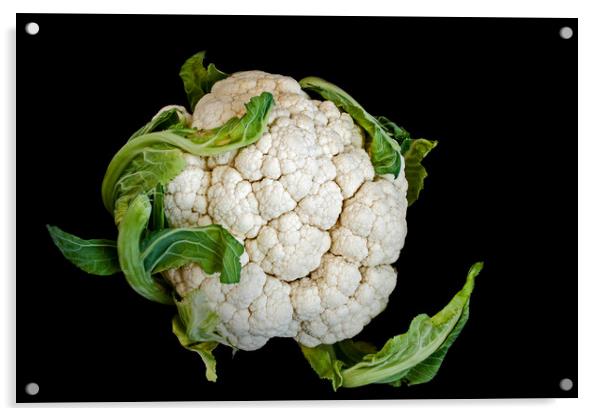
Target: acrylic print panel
point(499, 97)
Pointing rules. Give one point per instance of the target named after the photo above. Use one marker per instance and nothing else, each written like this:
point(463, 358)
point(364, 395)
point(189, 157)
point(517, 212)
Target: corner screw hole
point(32, 389)
point(566, 32)
point(566, 384)
point(32, 28)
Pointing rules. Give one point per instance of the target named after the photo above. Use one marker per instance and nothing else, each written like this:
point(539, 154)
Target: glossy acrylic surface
point(500, 95)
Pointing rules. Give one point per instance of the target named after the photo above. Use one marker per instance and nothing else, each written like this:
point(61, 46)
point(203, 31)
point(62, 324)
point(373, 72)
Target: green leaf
point(411, 358)
point(166, 120)
point(197, 79)
point(195, 328)
point(424, 338)
point(236, 132)
point(97, 257)
point(414, 171)
point(204, 349)
point(198, 319)
point(400, 134)
point(131, 228)
point(384, 150)
point(427, 369)
point(413, 152)
point(160, 152)
point(351, 352)
point(152, 167)
point(211, 246)
point(324, 362)
point(158, 214)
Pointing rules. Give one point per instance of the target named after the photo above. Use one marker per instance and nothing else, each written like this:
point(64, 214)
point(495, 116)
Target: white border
point(590, 206)
point(509, 8)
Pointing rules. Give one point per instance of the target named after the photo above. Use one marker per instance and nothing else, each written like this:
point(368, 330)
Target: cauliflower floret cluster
point(320, 230)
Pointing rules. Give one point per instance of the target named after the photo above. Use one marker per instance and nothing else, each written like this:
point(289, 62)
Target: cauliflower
point(320, 230)
point(266, 213)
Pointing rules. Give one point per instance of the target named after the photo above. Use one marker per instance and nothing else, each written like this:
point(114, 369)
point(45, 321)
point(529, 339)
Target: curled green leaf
point(389, 146)
point(212, 247)
point(411, 358)
point(197, 79)
point(197, 318)
point(414, 171)
point(131, 230)
point(235, 133)
point(169, 119)
point(154, 167)
point(384, 150)
point(98, 257)
point(323, 360)
point(401, 135)
point(195, 327)
point(204, 349)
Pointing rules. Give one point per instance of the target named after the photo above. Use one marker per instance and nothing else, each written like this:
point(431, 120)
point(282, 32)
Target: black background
point(500, 95)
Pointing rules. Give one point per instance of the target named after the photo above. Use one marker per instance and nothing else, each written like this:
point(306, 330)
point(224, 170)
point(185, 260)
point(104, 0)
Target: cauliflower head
point(268, 215)
point(320, 229)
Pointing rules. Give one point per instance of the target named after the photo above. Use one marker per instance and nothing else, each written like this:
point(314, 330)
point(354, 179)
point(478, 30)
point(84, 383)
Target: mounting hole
point(566, 32)
point(32, 389)
point(566, 384)
point(32, 28)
